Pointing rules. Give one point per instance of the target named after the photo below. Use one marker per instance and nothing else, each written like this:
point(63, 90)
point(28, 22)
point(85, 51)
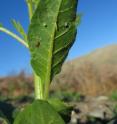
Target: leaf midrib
point(48, 79)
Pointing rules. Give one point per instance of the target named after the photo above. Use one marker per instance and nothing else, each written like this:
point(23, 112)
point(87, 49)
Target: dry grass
point(85, 79)
point(88, 80)
point(13, 86)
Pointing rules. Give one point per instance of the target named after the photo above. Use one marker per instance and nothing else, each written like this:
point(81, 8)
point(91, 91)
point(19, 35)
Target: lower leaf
point(62, 108)
point(39, 112)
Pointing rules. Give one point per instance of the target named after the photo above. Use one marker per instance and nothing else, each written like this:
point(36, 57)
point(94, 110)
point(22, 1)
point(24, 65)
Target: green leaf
point(20, 29)
point(62, 108)
point(39, 112)
point(51, 34)
point(59, 105)
point(33, 3)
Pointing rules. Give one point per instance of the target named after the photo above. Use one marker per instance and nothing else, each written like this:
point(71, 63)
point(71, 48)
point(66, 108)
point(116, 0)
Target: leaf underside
point(39, 112)
point(51, 34)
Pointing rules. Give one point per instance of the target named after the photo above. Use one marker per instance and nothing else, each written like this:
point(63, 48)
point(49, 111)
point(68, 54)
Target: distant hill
point(92, 74)
point(15, 86)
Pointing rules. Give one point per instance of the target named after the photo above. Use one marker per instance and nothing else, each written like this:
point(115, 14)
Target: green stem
point(38, 87)
point(14, 36)
point(46, 93)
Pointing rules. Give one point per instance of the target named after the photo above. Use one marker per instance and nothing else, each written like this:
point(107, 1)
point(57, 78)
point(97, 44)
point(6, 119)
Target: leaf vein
point(62, 48)
point(62, 34)
point(65, 10)
point(60, 60)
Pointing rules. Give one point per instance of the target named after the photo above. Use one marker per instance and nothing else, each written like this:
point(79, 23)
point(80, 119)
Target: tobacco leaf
point(39, 112)
point(62, 108)
point(51, 34)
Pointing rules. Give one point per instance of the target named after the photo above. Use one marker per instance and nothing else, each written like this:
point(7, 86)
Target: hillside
point(92, 74)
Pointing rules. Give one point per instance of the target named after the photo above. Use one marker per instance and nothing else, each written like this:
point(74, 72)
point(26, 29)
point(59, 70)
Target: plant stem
point(14, 36)
point(38, 87)
point(46, 93)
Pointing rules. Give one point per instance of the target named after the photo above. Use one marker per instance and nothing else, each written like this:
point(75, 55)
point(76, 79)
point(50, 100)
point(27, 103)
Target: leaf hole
point(66, 25)
point(45, 25)
point(37, 44)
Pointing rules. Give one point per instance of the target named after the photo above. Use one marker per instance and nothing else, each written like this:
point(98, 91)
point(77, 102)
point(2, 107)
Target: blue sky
point(98, 29)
